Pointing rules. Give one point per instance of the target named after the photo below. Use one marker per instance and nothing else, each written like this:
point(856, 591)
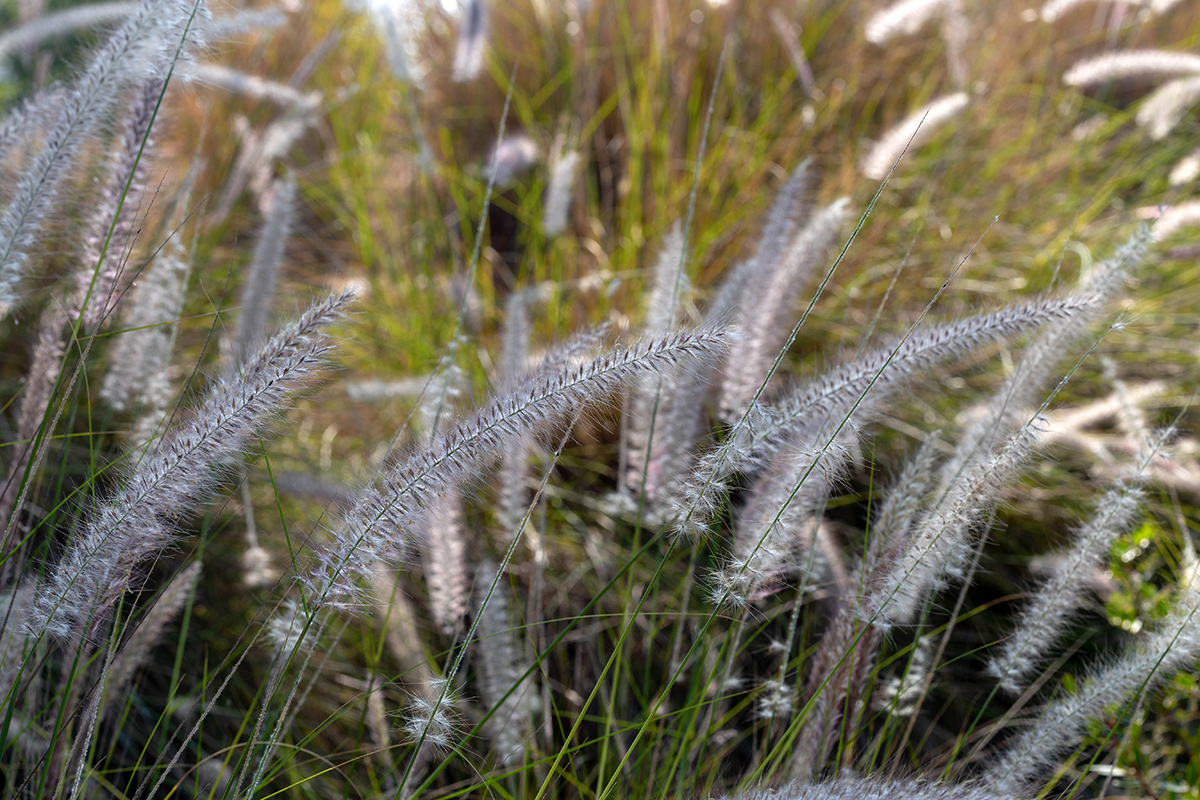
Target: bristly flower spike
point(383, 519)
point(140, 521)
point(790, 206)
point(472, 42)
point(447, 572)
point(138, 361)
point(657, 440)
point(108, 237)
point(258, 291)
point(502, 665)
point(766, 320)
point(146, 46)
point(903, 18)
point(559, 191)
point(913, 131)
point(1132, 64)
point(514, 363)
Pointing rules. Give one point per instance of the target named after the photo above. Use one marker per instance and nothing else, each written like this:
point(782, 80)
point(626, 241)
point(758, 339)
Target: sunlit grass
point(612, 607)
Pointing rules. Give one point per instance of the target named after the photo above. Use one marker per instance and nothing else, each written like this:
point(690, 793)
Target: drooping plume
point(141, 519)
point(383, 518)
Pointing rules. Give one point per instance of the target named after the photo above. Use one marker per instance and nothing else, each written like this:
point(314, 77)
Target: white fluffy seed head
point(903, 18)
point(472, 42)
point(432, 716)
point(290, 630)
point(913, 131)
point(1131, 64)
point(1165, 107)
point(1172, 219)
point(556, 208)
point(1186, 170)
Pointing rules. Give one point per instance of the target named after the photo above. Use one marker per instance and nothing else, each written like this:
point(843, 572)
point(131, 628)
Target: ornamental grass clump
point(657, 554)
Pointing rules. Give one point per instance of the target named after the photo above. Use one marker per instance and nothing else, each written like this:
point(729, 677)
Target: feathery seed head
point(145, 47)
point(1131, 64)
point(902, 18)
point(913, 131)
point(290, 630)
point(559, 191)
point(432, 717)
point(550, 398)
point(776, 700)
point(141, 519)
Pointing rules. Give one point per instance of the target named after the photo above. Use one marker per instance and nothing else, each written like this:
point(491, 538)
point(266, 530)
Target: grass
point(612, 604)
